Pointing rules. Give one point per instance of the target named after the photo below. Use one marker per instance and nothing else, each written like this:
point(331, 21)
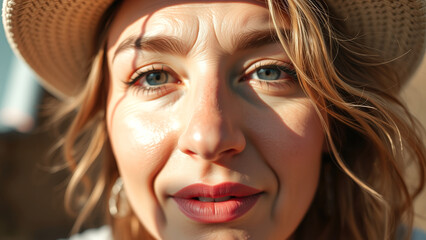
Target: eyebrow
point(172, 45)
point(256, 39)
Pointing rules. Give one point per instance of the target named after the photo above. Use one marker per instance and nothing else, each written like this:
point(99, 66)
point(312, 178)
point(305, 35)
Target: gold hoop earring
point(118, 204)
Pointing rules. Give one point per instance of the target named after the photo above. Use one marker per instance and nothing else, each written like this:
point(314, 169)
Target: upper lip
point(216, 191)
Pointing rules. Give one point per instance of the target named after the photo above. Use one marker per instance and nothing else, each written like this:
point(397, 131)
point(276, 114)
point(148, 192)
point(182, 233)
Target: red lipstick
point(216, 204)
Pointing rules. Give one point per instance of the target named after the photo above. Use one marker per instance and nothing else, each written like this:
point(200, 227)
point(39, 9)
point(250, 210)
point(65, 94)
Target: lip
point(243, 198)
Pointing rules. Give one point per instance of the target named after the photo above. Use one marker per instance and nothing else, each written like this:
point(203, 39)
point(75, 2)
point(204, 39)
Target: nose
point(213, 129)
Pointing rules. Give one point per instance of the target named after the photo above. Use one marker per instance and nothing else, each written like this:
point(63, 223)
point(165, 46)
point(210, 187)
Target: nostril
point(188, 152)
point(229, 152)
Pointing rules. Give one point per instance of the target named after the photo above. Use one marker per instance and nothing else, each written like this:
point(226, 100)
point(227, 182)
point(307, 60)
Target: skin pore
point(195, 98)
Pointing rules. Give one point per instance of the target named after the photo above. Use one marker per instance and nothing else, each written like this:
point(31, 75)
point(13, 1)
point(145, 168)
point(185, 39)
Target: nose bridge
point(208, 103)
point(211, 126)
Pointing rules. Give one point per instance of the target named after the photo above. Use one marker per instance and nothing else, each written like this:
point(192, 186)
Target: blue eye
point(156, 78)
point(152, 78)
point(268, 73)
point(153, 82)
point(274, 77)
point(273, 72)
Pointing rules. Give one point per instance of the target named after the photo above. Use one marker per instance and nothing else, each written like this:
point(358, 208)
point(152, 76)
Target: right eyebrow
point(161, 43)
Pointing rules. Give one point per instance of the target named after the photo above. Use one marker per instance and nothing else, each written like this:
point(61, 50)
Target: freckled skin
point(208, 125)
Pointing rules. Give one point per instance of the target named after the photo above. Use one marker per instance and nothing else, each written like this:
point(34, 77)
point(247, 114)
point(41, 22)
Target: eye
point(271, 72)
point(268, 73)
point(151, 78)
point(272, 77)
point(153, 81)
point(157, 78)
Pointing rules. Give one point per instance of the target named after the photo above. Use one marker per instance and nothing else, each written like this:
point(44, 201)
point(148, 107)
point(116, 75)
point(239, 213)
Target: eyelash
point(162, 88)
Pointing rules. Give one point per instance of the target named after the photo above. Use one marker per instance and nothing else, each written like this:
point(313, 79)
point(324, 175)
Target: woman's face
point(212, 134)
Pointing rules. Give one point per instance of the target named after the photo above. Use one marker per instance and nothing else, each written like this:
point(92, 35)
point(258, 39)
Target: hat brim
point(56, 39)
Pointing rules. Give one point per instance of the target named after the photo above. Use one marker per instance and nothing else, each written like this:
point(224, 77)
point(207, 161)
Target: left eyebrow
point(256, 39)
point(175, 46)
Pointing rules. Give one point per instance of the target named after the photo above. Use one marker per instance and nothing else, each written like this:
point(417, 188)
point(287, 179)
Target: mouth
point(216, 204)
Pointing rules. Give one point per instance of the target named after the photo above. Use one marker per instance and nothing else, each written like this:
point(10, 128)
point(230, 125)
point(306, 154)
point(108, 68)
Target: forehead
point(183, 18)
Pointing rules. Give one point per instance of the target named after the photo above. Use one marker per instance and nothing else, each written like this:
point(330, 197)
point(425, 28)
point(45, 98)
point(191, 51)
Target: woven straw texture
point(56, 37)
point(394, 29)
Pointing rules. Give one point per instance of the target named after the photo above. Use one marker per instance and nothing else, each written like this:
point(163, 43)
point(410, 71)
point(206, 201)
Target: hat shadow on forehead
point(126, 10)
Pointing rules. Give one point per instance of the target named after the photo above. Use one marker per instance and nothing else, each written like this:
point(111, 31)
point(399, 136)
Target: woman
point(233, 119)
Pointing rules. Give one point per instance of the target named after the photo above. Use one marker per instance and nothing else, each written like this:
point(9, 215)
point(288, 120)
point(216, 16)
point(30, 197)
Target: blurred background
point(31, 194)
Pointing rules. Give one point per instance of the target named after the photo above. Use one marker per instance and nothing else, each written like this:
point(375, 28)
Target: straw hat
point(56, 37)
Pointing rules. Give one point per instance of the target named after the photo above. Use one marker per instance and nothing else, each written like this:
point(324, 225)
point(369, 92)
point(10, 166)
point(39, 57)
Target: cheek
point(293, 148)
point(299, 167)
point(290, 137)
point(140, 142)
point(137, 136)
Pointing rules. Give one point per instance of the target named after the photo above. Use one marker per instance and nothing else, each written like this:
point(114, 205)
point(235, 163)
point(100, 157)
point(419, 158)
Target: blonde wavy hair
point(371, 136)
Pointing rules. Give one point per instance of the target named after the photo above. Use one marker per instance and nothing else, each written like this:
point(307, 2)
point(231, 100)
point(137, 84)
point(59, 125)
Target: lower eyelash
point(147, 90)
point(277, 84)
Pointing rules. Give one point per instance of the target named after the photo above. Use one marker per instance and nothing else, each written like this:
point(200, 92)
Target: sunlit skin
point(209, 113)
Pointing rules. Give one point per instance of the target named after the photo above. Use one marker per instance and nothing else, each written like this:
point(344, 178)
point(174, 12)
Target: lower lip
point(216, 212)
